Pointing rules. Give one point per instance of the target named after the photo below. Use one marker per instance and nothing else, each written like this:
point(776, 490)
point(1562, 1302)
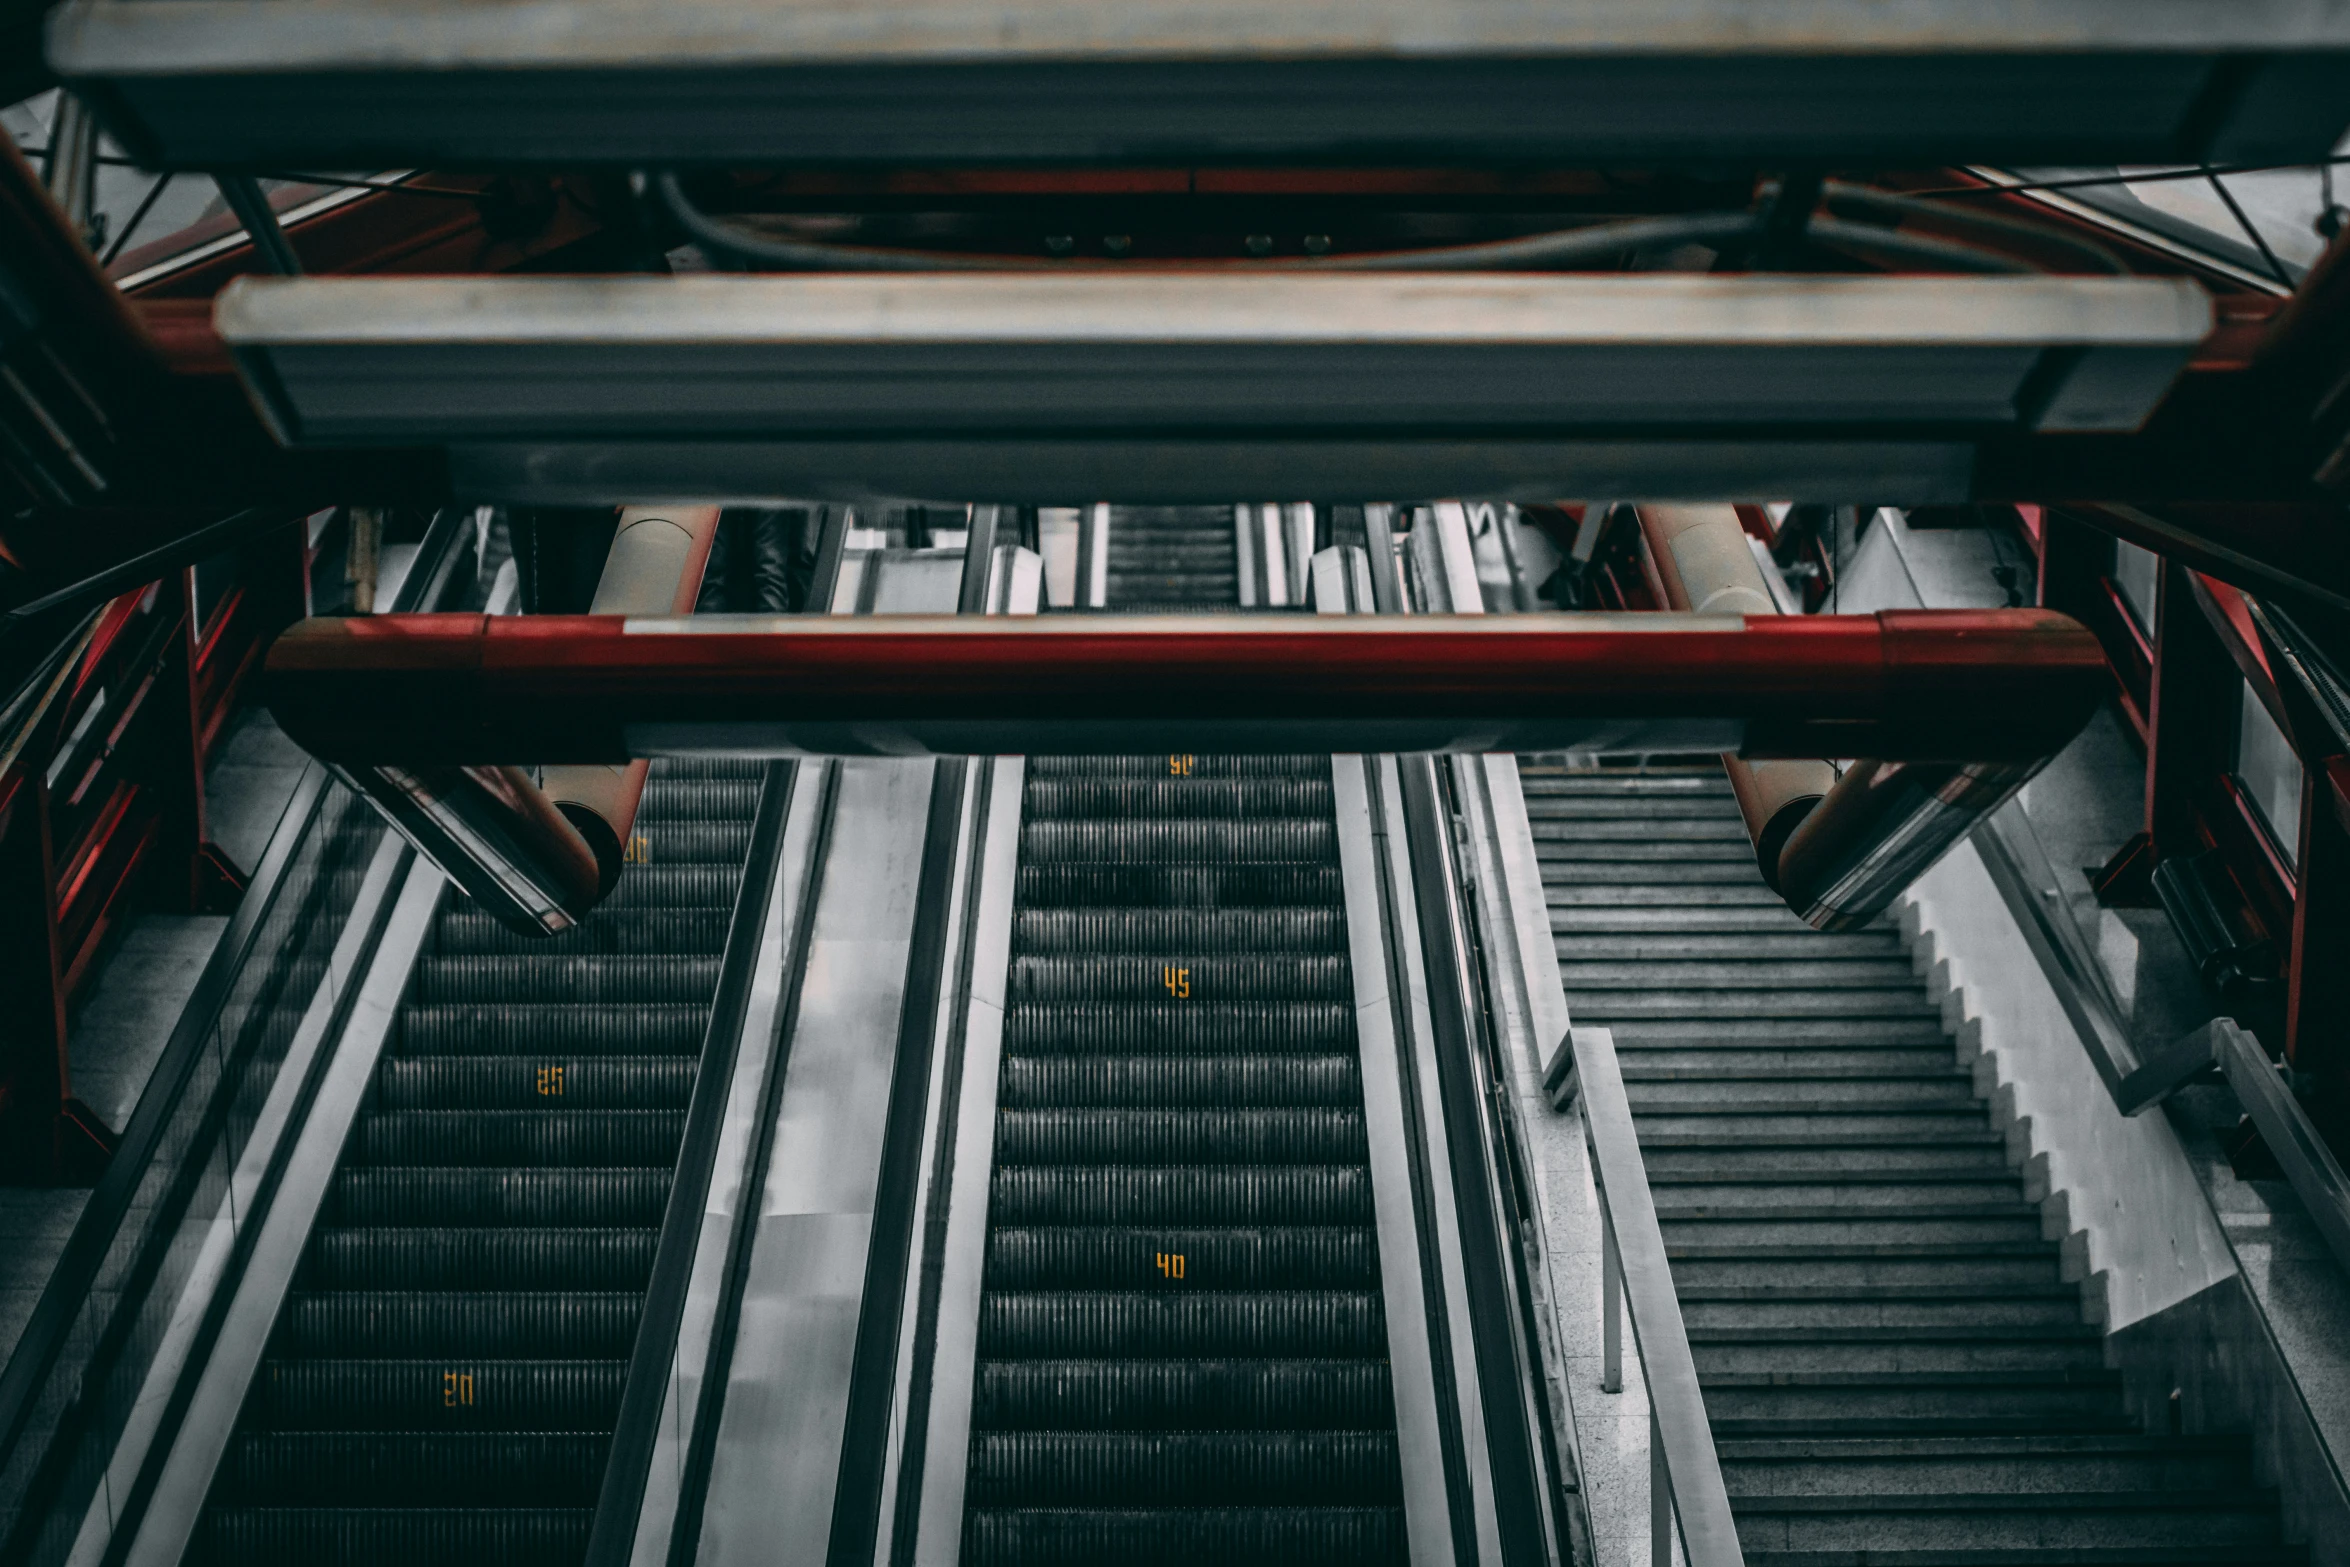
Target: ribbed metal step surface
point(1182, 1345)
point(1894, 1366)
point(1172, 557)
point(443, 1381)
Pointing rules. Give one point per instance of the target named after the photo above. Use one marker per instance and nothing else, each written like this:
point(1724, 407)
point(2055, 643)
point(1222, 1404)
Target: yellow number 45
point(1178, 982)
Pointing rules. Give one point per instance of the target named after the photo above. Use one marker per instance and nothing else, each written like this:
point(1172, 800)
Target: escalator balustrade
point(443, 1380)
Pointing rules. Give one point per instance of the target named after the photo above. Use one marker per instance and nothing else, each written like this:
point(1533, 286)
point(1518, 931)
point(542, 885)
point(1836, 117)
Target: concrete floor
point(135, 999)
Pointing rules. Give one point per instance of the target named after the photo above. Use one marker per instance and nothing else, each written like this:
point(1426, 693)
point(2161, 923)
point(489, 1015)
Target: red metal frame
point(122, 827)
point(1958, 685)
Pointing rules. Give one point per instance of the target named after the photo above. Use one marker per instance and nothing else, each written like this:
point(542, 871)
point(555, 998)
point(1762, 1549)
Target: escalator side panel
point(443, 1380)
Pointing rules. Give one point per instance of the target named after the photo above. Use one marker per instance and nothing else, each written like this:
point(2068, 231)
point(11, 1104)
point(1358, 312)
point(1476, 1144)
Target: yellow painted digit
point(456, 1388)
point(550, 1080)
point(1171, 1264)
point(638, 852)
point(1179, 766)
point(1177, 981)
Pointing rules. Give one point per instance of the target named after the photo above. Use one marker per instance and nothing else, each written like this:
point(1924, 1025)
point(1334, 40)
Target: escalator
point(1183, 1353)
point(443, 1381)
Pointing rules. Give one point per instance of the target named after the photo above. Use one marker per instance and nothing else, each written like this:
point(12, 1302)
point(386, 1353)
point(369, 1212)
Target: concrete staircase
point(1895, 1369)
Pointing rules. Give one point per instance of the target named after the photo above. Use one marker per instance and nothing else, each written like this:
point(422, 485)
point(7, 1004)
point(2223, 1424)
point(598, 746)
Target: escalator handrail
point(1584, 1066)
point(102, 1217)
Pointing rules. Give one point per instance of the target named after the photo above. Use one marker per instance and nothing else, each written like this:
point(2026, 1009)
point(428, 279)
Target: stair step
point(1649, 1063)
point(1602, 917)
point(1740, 1276)
point(1764, 1165)
point(1905, 1201)
point(2044, 1523)
point(1861, 1317)
point(1848, 1129)
point(1854, 1354)
point(1608, 1005)
point(1984, 1465)
point(1895, 1370)
point(1582, 973)
point(1567, 890)
point(1583, 829)
point(1849, 1236)
point(1791, 1095)
point(1746, 948)
point(1918, 1030)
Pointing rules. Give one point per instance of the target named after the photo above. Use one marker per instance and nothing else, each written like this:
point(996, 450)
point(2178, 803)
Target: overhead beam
point(1176, 385)
point(366, 83)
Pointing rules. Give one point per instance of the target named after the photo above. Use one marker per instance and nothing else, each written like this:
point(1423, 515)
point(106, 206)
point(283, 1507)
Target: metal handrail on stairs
point(1684, 1473)
point(2019, 867)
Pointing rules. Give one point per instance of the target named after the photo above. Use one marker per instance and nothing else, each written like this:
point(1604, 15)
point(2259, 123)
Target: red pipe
point(1954, 685)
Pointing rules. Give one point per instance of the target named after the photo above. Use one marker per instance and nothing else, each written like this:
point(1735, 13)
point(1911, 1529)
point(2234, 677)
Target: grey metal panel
point(746, 1096)
point(1167, 386)
point(584, 81)
point(777, 1460)
point(1180, 470)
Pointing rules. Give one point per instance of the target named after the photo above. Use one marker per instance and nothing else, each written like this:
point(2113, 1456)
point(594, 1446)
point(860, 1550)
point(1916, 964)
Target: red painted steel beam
point(1971, 686)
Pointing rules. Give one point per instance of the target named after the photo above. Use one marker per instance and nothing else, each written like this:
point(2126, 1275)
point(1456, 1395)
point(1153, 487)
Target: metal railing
point(152, 1228)
point(2034, 894)
point(1684, 1473)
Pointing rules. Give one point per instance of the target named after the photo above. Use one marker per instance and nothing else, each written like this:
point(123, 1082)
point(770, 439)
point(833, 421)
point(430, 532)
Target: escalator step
point(1223, 1081)
point(1203, 1394)
point(488, 1137)
point(640, 932)
point(671, 799)
point(537, 1082)
point(440, 1194)
point(579, 981)
point(1068, 885)
point(395, 1536)
point(465, 1258)
point(439, 1394)
point(1148, 1537)
point(1211, 977)
point(1041, 931)
point(1125, 1257)
point(1181, 1194)
point(1061, 799)
point(1045, 768)
point(1127, 1469)
point(693, 841)
point(1096, 1137)
point(1062, 1324)
point(1181, 1028)
point(1177, 842)
point(496, 1028)
point(663, 884)
point(438, 1468)
point(406, 1323)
